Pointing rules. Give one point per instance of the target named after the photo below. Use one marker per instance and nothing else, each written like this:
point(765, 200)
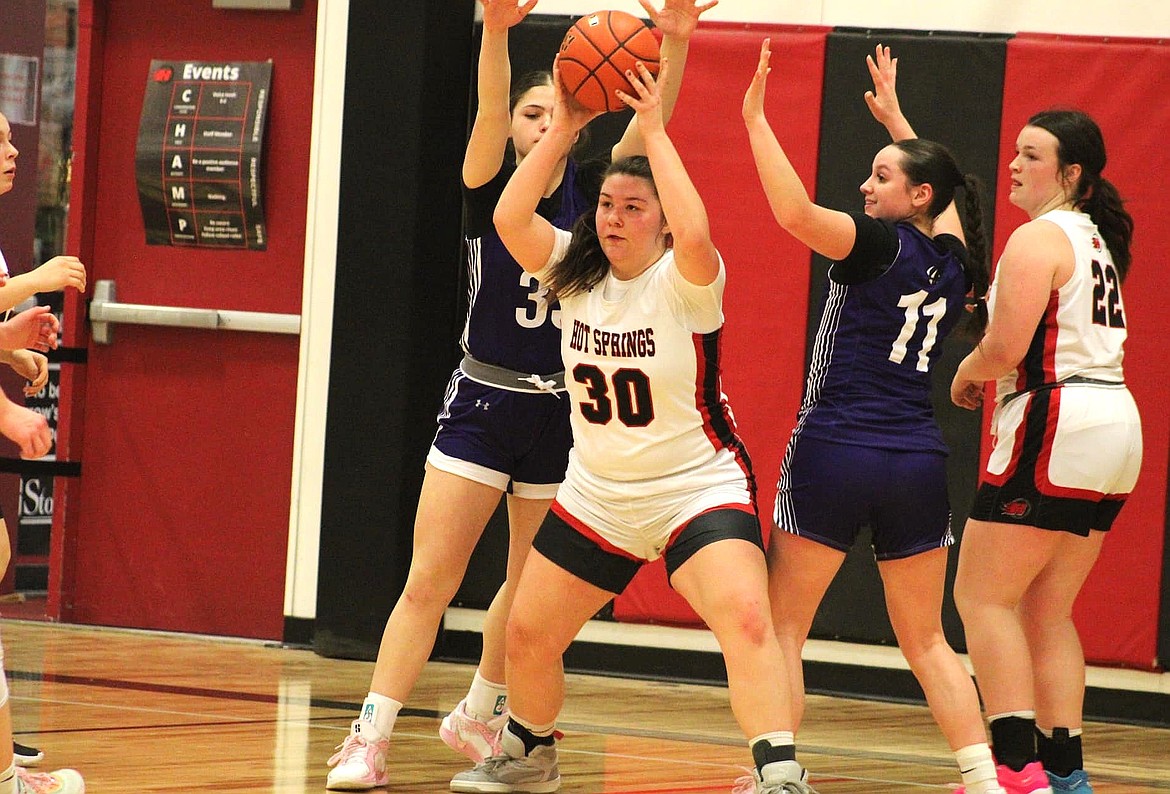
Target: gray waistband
point(505, 378)
point(1072, 380)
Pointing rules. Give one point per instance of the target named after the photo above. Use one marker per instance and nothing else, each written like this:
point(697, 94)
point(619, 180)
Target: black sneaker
point(24, 755)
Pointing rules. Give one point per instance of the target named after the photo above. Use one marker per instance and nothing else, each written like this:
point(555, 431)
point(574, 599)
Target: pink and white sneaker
point(1029, 780)
point(63, 781)
point(360, 761)
point(476, 739)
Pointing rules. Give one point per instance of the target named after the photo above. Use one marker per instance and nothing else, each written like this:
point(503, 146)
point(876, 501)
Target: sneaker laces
point(354, 745)
point(750, 784)
point(745, 784)
point(494, 762)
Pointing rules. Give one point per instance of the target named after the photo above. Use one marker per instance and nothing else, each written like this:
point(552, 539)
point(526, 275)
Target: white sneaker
point(360, 761)
point(63, 781)
point(476, 739)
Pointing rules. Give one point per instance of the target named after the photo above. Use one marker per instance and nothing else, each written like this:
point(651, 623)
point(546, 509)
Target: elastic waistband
point(505, 378)
point(1072, 380)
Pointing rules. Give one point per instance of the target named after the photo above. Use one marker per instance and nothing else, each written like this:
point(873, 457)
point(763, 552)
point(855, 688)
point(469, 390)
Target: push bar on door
point(104, 311)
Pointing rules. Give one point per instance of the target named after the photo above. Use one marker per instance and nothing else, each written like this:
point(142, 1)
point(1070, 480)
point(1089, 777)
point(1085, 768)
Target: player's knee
point(429, 590)
point(527, 641)
point(751, 619)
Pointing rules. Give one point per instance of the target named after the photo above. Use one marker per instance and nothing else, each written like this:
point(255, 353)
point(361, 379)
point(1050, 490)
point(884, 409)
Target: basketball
point(596, 52)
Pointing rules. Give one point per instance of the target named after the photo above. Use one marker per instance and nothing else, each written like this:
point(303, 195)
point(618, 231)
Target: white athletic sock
point(1071, 732)
point(486, 699)
point(977, 766)
point(381, 712)
point(8, 780)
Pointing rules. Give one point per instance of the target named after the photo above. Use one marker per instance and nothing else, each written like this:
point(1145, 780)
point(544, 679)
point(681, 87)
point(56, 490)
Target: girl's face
point(8, 154)
point(630, 224)
point(530, 118)
point(887, 192)
point(1038, 183)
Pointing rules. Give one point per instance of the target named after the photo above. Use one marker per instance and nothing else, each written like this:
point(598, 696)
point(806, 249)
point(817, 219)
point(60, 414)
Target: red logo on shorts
point(1016, 508)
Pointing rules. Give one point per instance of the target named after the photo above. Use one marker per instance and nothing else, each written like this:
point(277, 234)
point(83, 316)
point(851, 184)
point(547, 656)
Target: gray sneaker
point(535, 773)
point(796, 782)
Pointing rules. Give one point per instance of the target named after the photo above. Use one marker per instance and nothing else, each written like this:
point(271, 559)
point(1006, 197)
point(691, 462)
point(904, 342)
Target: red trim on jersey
point(719, 427)
point(1051, 336)
point(1031, 373)
point(702, 376)
point(590, 533)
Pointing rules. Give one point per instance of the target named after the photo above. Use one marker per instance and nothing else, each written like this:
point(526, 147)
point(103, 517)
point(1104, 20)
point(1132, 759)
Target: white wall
point(1144, 18)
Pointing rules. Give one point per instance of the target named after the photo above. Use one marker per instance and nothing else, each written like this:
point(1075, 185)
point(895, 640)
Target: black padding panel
point(395, 316)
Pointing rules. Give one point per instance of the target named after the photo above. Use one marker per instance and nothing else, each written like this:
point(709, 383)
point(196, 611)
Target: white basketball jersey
point(1083, 328)
point(642, 369)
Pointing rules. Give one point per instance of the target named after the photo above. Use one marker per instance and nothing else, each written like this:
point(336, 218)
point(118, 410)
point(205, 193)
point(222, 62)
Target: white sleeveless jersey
point(1083, 328)
point(642, 370)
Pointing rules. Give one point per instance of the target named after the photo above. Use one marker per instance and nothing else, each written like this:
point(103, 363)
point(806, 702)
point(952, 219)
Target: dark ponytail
point(978, 264)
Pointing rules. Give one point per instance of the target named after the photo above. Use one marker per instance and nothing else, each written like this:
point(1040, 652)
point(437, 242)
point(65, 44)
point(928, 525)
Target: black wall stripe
point(394, 338)
point(68, 355)
point(40, 468)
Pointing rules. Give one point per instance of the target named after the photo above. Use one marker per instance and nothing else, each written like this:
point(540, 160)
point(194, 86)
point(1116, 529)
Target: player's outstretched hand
point(753, 100)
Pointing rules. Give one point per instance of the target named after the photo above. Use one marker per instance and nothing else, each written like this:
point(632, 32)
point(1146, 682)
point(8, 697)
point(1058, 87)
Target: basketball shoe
point(1077, 782)
point(795, 782)
point(63, 781)
point(512, 770)
point(476, 739)
point(1030, 780)
point(25, 755)
point(360, 761)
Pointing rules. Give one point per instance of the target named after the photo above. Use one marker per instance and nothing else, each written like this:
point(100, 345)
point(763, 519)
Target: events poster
point(200, 144)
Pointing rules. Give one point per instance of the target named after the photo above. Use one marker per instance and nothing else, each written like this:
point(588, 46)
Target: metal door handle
point(104, 311)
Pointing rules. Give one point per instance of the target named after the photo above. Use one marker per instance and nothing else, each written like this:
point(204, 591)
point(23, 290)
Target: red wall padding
point(1121, 83)
point(766, 303)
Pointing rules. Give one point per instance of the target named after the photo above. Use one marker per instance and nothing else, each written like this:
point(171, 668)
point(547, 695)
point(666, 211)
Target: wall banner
point(198, 161)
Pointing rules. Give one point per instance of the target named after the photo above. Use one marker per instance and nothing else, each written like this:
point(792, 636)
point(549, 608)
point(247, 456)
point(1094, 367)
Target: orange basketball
point(597, 51)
